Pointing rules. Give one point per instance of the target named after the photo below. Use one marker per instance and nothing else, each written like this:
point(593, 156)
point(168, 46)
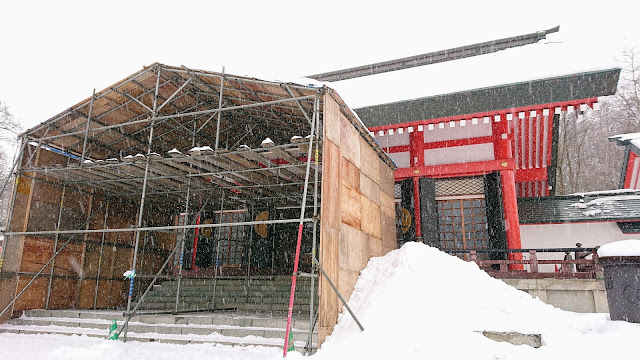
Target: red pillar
point(502, 151)
point(416, 207)
point(416, 154)
point(512, 221)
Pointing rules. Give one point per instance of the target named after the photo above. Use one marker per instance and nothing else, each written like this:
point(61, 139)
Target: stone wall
point(578, 295)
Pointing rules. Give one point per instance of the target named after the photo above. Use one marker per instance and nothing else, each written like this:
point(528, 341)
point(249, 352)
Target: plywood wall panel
point(331, 184)
point(43, 216)
point(47, 193)
point(370, 161)
point(63, 293)
point(34, 297)
point(349, 141)
point(91, 260)
point(7, 292)
point(349, 174)
point(122, 261)
point(350, 208)
point(370, 189)
point(69, 260)
point(371, 223)
point(354, 201)
point(37, 251)
point(331, 128)
point(328, 300)
point(387, 182)
point(87, 293)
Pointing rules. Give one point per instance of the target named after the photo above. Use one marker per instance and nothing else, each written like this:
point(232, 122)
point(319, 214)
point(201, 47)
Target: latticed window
point(460, 186)
point(462, 218)
point(232, 238)
point(463, 224)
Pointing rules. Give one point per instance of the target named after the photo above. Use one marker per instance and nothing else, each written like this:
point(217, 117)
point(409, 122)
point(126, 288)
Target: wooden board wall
point(358, 213)
point(75, 275)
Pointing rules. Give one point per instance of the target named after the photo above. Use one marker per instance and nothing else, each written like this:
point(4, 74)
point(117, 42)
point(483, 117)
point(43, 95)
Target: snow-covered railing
point(573, 264)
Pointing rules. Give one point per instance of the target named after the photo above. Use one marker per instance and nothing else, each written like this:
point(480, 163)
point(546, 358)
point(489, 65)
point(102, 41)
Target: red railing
point(573, 265)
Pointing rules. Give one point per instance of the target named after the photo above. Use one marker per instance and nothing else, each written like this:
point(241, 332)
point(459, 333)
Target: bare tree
point(587, 161)
point(9, 130)
point(627, 99)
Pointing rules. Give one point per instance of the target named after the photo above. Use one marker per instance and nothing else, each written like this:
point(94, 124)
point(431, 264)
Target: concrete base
point(578, 295)
point(533, 340)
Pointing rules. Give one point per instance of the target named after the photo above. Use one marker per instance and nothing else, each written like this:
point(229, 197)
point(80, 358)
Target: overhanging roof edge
point(520, 94)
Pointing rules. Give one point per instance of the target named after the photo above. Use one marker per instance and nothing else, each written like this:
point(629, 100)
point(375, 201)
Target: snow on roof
point(632, 139)
point(613, 192)
point(620, 248)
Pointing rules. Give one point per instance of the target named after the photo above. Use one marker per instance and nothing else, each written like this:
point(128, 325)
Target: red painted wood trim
point(523, 175)
point(454, 170)
point(550, 106)
point(397, 149)
point(419, 147)
point(629, 173)
point(580, 222)
point(416, 148)
point(195, 245)
point(501, 148)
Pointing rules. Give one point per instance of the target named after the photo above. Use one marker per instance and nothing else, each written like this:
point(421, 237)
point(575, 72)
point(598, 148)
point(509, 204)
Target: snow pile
point(414, 303)
point(620, 248)
point(418, 302)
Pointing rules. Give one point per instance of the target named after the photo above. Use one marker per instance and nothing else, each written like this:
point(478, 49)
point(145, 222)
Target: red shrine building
point(465, 159)
point(630, 176)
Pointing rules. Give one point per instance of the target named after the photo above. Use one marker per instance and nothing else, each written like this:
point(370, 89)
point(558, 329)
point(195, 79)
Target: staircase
point(258, 295)
point(247, 313)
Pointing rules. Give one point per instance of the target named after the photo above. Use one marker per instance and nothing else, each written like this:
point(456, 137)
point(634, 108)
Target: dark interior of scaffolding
point(169, 149)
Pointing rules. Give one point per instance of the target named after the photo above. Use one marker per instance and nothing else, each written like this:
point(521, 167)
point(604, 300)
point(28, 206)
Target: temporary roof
point(187, 100)
point(258, 150)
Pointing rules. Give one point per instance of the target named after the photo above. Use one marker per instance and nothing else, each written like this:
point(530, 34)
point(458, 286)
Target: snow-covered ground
point(414, 303)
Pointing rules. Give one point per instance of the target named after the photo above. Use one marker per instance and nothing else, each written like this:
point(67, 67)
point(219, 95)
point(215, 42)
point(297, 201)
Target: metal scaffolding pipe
point(86, 130)
point(249, 250)
point(219, 113)
point(217, 264)
point(173, 95)
point(184, 233)
point(299, 242)
point(55, 245)
point(104, 226)
point(141, 209)
point(315, 232)
point(153, 228)
point(157, 118)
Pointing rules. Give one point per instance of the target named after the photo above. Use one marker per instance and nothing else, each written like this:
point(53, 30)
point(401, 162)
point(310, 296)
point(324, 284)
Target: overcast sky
point(54, 53)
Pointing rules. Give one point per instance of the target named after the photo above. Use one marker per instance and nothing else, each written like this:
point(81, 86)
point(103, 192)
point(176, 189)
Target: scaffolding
point(172, 143)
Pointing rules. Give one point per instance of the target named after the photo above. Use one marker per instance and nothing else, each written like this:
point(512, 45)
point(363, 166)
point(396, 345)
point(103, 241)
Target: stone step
point(161, 338)
point(225, 298)
point(301, 281)
point(230, 319)
point(272, 331)
point(206, 305)
point(235, 287)
point(224, 328)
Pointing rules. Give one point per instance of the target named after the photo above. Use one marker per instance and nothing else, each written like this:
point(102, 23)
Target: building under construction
point(176, 172)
